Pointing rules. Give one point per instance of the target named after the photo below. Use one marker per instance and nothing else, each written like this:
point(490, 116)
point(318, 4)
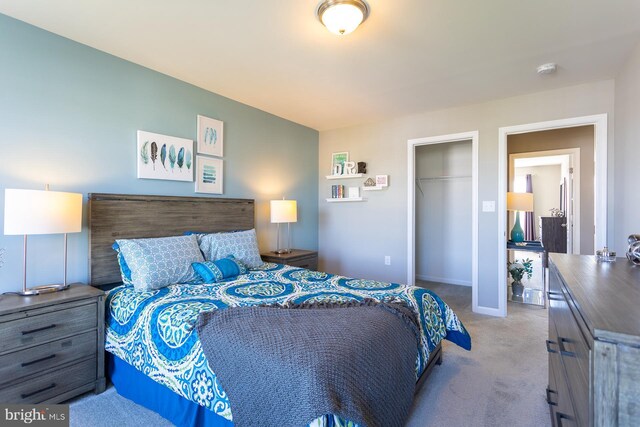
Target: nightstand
point(297, 258)
point(51, 345)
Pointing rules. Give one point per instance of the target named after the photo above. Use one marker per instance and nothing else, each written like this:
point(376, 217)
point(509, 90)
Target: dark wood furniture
point(594, 342)
point(127, 216)
point(296, 258)
point(553, 233)
point(51, 345)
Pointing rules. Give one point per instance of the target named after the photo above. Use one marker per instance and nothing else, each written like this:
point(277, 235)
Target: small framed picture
point(209, 175)
point(210, 136)
point(382, 180)
point(337, 162)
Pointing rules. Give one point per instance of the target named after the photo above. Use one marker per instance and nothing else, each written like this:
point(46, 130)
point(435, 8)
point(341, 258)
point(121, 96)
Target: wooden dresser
point(51, 345)
point(594, 342)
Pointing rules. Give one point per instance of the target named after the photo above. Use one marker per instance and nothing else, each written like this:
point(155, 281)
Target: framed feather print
point(164, 157)
point(210, 136)
point(209, 174)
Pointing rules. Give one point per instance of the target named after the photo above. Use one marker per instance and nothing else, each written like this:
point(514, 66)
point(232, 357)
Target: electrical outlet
point(387, 260)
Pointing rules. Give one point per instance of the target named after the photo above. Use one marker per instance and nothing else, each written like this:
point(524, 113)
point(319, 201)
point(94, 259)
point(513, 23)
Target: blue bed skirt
point(136, 386)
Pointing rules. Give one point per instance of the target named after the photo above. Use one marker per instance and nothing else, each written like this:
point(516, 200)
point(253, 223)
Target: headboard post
point(127, 216)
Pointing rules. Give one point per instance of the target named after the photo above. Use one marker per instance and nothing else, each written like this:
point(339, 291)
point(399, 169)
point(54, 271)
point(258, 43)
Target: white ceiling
point(409, 56)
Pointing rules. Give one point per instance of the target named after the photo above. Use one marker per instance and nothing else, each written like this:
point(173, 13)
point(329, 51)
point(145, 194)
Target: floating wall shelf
point(357, 175)
point(345, 199)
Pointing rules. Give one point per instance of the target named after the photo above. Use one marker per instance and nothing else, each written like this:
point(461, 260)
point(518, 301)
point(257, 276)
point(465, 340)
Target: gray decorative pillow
point(156, 263)
point(243, 245)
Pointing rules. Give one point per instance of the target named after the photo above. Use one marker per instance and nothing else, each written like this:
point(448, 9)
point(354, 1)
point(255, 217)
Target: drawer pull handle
point(51, 356)
point(549, 342)
point(560, 416)
point(563, 350)
point(549, 391)
point(49, 387)
point(44, 328)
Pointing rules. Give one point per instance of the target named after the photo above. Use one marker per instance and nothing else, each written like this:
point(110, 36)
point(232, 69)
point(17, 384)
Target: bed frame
point(126, 216)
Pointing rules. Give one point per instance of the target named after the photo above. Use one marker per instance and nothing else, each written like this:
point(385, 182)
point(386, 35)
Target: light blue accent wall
point(69, 116)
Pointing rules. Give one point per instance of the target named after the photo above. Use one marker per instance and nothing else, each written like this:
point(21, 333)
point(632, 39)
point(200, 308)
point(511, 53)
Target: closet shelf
point(434, 178)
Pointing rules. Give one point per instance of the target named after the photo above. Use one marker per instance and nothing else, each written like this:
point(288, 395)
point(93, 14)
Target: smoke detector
point(548, 68)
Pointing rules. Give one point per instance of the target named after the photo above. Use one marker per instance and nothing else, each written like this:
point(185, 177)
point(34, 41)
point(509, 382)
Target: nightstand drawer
point(36, 359)
point(51, 384)
point(34, 330)
point(310, 263)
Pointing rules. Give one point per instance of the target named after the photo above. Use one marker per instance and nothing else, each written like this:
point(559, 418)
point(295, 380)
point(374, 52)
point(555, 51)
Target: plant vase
point(517, 288)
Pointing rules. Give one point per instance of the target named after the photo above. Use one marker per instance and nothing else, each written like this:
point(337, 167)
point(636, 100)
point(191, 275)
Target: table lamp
point(284, 211)
point(519, 202)
point(41, 212)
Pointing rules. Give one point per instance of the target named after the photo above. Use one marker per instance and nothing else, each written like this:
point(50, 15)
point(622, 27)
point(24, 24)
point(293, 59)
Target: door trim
point(599, 122)
point(411, 224)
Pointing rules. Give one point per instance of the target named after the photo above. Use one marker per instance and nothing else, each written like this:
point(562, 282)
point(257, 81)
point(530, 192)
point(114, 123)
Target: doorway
point(599, 123)
point(415, 188)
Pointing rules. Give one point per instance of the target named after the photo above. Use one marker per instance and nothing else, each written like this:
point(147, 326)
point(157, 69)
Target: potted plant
point(517, 269)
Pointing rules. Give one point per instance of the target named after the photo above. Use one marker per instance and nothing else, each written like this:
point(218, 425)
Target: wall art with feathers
point(164, 157)
point(210, 136)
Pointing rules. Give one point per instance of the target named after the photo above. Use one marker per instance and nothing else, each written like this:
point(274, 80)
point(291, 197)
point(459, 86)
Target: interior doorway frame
point(473, 136)
point(599, 122)
point(574, 154)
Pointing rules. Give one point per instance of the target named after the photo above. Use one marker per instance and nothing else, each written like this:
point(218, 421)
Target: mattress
point(155, 331)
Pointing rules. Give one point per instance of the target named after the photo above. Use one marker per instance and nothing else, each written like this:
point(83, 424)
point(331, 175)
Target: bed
point(154, 354)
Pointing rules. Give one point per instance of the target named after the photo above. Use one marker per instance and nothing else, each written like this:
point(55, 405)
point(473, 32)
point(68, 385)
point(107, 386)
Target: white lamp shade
point(522, 202)
point(41, 212)
point(284, 211)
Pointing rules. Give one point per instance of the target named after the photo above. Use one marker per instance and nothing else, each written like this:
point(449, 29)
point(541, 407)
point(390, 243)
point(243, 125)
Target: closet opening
point(443, 217)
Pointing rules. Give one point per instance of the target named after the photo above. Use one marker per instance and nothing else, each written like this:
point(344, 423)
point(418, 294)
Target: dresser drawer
point(41, 328)
point(310, 263)
point(574, 353)
point(25, 362)
point(51, 384)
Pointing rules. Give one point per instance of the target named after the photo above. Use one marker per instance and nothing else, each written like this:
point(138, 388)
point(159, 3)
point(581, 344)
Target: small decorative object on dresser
point(633, 254)
point(297, 258)
point(52, 345)
point(210, 136)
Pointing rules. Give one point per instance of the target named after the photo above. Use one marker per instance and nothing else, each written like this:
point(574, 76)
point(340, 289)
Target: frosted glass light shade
point(522, 202)
point(284, 211)
point(342, 17)
point(41, 212)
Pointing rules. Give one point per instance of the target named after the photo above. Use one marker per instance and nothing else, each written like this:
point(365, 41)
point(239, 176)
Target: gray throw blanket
point(289, 366)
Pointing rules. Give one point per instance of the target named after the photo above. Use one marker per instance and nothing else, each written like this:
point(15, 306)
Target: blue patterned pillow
point(156, 263)
point(125, 271)
point(243, 245)
point(217, 271)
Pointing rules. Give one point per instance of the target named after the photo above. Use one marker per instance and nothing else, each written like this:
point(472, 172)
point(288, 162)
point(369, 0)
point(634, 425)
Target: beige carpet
point(501, 382)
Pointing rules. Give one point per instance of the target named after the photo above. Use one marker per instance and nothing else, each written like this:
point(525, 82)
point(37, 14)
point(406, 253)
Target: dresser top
point(607, 294)
point(10, 303)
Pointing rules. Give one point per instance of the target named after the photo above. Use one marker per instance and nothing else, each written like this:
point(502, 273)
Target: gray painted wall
point(355, 237)
point(577, 137)
point(627, 152)
point(443, 213)
point(69, 116)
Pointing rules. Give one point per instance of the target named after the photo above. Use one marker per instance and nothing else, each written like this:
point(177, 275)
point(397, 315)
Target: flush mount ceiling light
point(548, 68)
point(342, 17)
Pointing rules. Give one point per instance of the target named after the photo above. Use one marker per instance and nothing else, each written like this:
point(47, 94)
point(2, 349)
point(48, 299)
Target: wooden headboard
point(126, 216)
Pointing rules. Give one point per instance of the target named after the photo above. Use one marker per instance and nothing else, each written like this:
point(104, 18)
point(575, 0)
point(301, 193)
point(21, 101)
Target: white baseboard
point(443, 280)
point(490, 311)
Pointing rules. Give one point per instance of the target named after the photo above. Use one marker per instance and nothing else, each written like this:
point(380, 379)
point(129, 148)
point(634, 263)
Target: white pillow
point(243, 245)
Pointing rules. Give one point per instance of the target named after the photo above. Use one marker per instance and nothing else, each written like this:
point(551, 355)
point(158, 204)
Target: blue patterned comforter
point(155, 331)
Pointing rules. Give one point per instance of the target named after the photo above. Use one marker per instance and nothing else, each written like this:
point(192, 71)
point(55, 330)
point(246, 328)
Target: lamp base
point(43, 289)
point(282, 251)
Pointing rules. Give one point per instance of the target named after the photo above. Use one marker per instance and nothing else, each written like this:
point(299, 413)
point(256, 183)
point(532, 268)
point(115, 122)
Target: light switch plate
point(488, 206)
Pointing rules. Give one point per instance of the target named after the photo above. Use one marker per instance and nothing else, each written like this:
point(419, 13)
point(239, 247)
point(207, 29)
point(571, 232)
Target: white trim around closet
point(411, 194)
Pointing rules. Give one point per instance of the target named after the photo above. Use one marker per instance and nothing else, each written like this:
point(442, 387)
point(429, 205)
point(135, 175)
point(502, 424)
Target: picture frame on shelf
point(164, 157)
point(382, 180)
point(209, 175)
point(210, 136)
point(339, 158)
